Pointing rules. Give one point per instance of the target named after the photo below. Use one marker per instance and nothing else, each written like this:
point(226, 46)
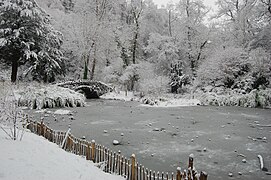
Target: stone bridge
point(91, 89)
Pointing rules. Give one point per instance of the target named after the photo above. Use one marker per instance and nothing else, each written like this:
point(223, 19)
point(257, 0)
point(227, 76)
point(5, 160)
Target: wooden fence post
point(41, 128)
point(143, 172)
point(190, 161)
point(44, 130)
point(133, 167)
point(178, 175)
point(119, 162)
point(111, 160)
point(114, 162)
point(122, 165)
point(125, 167)
point(68, 143)
point(203, 175)
point(93, 150)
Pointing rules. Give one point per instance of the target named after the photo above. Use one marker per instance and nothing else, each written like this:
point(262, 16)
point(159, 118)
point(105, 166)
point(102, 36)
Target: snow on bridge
point(91, 89)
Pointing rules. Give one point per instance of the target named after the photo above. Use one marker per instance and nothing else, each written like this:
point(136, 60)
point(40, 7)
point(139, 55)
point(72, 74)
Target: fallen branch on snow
point(263, 125)
point(258, 139)
point(262, 164)
point(242, 155)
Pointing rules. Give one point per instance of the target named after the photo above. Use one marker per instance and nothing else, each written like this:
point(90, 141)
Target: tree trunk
point(135, 44)
point(85, 71)
point(14, 70)
point(200, 50)
point(169, 23)
point(189, 40)
point(93, 64)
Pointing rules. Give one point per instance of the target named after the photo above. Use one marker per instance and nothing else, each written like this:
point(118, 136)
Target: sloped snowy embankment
point(36, 158)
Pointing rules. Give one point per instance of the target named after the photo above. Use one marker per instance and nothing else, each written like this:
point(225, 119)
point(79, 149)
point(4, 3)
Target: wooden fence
point(109, 161)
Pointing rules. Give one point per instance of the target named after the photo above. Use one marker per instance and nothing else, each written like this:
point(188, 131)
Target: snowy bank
point(165, 100)
point(36, 158)
point(121, 95)
point(256, 98)
point(50, 96)
point(173, 102)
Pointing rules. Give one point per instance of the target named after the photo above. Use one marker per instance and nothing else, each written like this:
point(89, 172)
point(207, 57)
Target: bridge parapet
point(91, 89)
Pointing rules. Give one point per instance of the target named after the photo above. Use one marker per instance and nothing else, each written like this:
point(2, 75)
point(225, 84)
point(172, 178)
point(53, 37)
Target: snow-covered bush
point(256, 98)
point(261, 71)
point(235, 70)
point(263, 98)
point(149, 82)
point(129, 77)
point(162, 51)
point(224, 68)
point(149, 101)
point(49, 96)
point(178, 79)
point(112, 72)
point(156, 86)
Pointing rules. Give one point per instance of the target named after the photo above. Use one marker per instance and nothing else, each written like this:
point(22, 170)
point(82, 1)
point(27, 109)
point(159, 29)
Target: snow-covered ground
point(175, 103)
point(36, 158)
point(121, 95)
point(164, 102)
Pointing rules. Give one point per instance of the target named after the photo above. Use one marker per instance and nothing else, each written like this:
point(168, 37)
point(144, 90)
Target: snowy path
point(36, 158)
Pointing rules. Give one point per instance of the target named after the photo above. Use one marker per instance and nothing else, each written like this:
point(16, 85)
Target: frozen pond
point(163, 138)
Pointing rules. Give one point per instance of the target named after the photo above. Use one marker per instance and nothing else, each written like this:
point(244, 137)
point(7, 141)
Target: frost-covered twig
point(22, 134)
point(10, 115)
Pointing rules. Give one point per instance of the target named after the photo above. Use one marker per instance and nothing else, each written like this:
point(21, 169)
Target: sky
point(210, 3)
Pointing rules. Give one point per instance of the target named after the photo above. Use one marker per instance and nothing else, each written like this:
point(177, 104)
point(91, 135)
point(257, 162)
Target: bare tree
point(195, 11)
point(171, 18)
point(93, 17)
point(100, 11)
point(12, 118)
point(239, 15)
point(136, 11)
